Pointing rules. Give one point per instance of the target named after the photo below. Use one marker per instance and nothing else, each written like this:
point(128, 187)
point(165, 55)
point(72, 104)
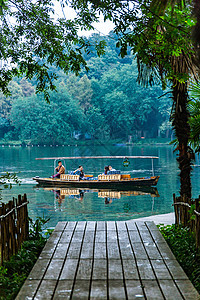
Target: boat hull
point(96, 184)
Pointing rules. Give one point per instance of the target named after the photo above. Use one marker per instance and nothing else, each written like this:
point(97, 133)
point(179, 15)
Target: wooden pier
point(107, 260)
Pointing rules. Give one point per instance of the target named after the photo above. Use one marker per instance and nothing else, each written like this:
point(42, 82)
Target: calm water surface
point(72, 205)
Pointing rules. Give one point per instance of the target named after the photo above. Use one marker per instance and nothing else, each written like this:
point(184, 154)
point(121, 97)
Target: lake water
point(73, 205)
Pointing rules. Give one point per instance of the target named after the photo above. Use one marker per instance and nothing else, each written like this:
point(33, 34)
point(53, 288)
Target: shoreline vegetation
point(29, 143)
point(14, 272)
point(182, 243)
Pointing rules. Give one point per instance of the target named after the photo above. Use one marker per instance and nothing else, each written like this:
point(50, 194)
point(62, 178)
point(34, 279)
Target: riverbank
point(119, 143)
point(166, 219)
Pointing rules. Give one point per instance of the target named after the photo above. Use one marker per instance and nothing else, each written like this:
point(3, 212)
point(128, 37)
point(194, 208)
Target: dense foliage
point(182, 244)
point(105, 102)
point(34, 37)
point(14, 272)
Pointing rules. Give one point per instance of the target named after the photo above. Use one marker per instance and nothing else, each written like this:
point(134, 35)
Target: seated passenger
point(60, 169)
point(106, 169)
point(111, 169)
point(79, 172)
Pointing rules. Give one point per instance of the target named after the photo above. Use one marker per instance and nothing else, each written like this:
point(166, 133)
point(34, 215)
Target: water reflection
point(109, 196)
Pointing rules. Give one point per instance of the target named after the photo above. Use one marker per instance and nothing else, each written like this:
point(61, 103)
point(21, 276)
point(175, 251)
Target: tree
point(41, 122)
point(32, 39)
point(159, 33)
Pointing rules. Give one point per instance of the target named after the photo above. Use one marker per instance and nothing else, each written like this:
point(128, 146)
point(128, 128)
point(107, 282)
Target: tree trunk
point(182, 131)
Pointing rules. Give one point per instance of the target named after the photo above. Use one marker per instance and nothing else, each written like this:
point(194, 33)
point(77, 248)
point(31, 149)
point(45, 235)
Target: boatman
point(60, 169)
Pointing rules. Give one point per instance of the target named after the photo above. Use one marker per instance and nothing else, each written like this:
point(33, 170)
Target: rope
point(186, 204)
point(14, 208)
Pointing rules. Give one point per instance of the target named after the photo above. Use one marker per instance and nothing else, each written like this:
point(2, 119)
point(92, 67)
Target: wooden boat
point(111, 181)
point(115, 181)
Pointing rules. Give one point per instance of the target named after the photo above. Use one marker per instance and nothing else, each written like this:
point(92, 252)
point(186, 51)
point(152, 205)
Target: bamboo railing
point(14, 226)
point(187, 214)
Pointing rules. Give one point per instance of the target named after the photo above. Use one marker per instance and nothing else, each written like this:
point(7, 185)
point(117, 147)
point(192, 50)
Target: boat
point(122, 182)
point(114, 180)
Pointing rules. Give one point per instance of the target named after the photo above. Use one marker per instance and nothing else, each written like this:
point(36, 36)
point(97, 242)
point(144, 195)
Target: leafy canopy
point(33, 38)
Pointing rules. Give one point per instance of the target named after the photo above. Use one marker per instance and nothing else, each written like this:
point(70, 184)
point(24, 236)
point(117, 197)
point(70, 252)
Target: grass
point(14, 272)
point(182, 243)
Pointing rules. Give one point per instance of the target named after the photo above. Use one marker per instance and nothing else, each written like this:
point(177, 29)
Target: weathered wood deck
point(107, 260)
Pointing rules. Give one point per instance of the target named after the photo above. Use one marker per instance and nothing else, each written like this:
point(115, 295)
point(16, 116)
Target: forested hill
point(105, 103)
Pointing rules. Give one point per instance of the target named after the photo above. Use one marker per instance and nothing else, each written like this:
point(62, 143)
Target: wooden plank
point(81, 290)
point(28, 290)
point(100, 251)
point(131, 225)
point(87, 250)
point(134, 236)
point(175, 269)
point(126, 250)
point(55, 237)
point(101, 225)
point(70, 226)
point(77, 237)
point(63, 289)
point(99, 269)
point(139, 251)
point(157, 236)
point(80, 226)
point(111, 236)
point(130, 269)
point(152, 250)
point(91, 225)
point(187, 289)
point(100, 236)
point(60, 226)
point(170, 290)
point(54, 269)
point(121, 225)
point(69, 269)
point(145, 269)
point(113, 251)
point(115, 269)
point(134, 289)
point(66, 237)
point(98, 290)
point(165, 251)
point(39, 269)
point(160, 269)
point(123, 236)
point(46, 289)
point(146, 236)
point(89, 236)
point(152, 290)
point(74, 250)
point(84, 269)
point(111, 225)
point(116, 290)
point(151, 226)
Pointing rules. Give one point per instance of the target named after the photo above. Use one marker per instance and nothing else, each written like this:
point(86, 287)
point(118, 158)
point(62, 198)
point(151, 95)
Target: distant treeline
point(105, 103)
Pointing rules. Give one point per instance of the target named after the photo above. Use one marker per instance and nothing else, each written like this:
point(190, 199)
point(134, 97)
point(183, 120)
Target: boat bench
point(69, 177)
point(112, 177)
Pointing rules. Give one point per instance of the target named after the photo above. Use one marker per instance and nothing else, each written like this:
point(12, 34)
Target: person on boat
point(79, 172)
point(106, 169)
point(60, 169)
point(111, 169)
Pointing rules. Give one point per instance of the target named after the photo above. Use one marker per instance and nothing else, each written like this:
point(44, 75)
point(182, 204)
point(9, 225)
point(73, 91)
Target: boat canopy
point(92, 157)
point(102, 157)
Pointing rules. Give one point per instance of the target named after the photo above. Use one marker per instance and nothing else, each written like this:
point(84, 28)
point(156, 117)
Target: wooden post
point(176, 211)
point(2, 237)
point(197, 227)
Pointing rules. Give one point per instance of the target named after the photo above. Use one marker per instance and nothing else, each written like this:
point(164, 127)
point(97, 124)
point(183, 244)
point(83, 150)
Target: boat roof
point(95, 157)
